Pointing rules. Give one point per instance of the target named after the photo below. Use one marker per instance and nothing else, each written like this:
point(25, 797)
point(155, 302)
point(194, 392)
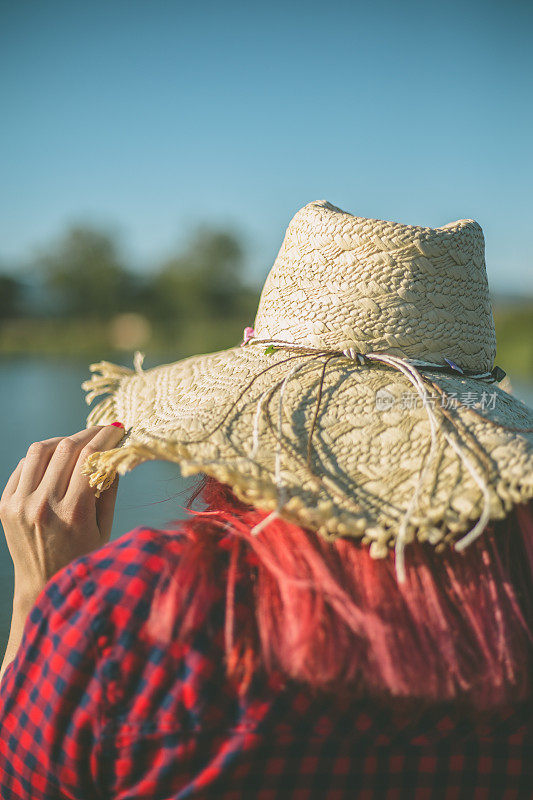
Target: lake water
point(41, 398)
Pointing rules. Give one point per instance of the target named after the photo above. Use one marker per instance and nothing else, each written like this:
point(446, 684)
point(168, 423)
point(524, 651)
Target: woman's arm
point(50, 516)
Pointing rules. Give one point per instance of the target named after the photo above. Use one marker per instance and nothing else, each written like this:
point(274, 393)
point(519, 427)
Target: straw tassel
point(105, 380)
point(102, 467)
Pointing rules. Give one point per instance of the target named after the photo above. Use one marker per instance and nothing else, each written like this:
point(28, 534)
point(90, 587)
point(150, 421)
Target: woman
point(366, 638)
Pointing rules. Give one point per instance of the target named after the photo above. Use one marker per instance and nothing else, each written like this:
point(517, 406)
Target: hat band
point(497, 374)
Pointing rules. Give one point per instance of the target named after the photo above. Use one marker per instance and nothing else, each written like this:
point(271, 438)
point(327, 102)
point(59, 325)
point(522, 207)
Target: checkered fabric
point(104, 701)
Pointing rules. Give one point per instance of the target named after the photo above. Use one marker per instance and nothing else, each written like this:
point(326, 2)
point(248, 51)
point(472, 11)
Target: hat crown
point(345, 281)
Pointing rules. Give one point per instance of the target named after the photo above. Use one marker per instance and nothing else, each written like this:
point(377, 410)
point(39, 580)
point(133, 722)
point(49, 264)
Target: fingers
point(54, 466)
point(56, 479)
point(106, 438)
point(12, 483)
point(35, 463)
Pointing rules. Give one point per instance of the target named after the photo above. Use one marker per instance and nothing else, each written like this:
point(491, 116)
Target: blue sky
point(150, 117)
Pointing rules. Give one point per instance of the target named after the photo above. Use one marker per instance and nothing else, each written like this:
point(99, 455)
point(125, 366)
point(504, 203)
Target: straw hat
point(364, 402)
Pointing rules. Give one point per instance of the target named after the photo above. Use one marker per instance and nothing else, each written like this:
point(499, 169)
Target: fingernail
point(117, 424)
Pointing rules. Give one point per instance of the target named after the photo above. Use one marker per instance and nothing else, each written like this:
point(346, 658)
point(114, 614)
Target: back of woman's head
point(459, 629)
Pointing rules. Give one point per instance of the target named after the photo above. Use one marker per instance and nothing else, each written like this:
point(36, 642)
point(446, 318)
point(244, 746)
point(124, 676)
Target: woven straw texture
point(244, 415)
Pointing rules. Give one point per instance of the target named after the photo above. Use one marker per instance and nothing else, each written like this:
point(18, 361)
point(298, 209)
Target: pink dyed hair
point(325, 614)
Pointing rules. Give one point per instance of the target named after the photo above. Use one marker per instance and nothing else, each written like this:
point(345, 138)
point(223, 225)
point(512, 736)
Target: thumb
point(105, 509)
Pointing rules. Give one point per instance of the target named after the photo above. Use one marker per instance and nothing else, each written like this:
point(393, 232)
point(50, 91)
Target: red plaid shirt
point(103, 701)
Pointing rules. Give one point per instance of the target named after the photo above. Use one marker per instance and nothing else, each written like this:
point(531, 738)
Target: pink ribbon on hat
point(248, 334)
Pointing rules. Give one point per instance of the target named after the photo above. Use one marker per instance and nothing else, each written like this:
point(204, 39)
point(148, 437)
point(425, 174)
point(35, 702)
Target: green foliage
point(204, 281)
point(514, 335)
point(10, 294)
point(85, 271)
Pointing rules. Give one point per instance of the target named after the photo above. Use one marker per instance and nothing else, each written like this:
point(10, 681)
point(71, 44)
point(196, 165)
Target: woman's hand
point(50, 514)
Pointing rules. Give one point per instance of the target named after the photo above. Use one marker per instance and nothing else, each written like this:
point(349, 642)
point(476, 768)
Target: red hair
point(325, 614)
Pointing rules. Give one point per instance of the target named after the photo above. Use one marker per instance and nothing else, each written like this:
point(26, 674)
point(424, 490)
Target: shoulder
point(84, 605)
point(142, 553)
point(141, 550)
point(113, 584)
point(157, 660)
point(133, 599)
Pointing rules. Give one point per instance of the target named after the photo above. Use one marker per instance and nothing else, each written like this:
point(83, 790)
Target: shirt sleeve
point(51, 696)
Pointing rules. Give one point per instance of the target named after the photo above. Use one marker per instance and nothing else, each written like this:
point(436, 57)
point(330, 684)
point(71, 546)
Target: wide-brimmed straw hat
point(364, 401)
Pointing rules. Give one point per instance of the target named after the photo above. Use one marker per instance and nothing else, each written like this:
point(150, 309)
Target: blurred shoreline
point(114, 339)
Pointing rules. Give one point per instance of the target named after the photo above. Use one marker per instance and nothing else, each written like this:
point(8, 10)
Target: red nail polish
point(117, 424)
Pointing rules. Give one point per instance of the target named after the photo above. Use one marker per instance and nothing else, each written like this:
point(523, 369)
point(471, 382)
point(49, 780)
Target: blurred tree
point(204, 281)
point(10, 296)
point(85, 269)
point(217, 259)
point(196, 300)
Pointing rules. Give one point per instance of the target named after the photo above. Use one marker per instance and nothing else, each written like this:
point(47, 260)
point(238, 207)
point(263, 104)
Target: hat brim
point(244, 417)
